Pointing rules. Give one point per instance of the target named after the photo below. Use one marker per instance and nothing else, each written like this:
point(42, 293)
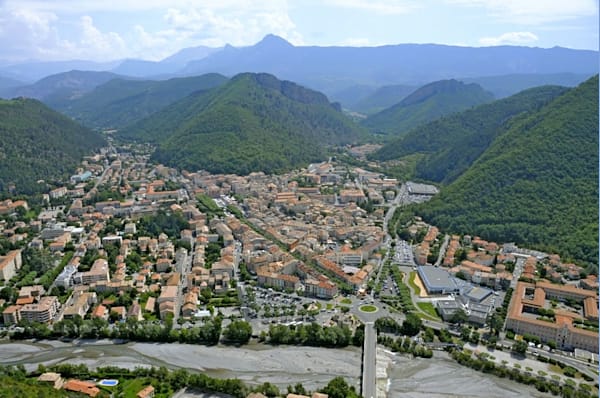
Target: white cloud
point(509, 38)
point(385, 7)
point(60, 29)
point(216, 26)
point(33, 34)
point(534, 12)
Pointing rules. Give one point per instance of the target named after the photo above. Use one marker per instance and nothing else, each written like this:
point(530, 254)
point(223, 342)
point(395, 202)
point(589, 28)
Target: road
point(442, 250)
point(369, 381)
point(184, 266)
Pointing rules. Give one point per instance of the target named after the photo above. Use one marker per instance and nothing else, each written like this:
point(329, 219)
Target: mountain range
point(254, 122)
point(335, 70)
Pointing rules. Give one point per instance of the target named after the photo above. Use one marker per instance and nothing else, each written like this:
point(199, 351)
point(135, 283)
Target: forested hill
point(39, 144)
point(120, 102)
point(255, 122)
point(451, 144)
point(536, 185)
point(426, 104)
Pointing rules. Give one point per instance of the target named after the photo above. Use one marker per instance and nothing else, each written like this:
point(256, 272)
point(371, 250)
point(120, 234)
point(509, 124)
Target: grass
point(428, 309)
point(413, 285)
point(346, 301)
point(329, 306)
point(131, 387)
point(368, 308)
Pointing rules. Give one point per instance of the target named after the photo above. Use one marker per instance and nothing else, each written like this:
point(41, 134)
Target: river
point(439, 377)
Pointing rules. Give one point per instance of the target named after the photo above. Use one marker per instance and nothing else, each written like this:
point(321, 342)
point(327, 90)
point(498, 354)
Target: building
point(437, 280)
point(146, 392)
point(79, 304)
point(321, 289)
point(523, 315)
point(10, 264)
point(43, 312)
point(53, 379)
point(84, 387)
point(98, 272)
point(447, 308)
point(12, 315)
point(58, 192)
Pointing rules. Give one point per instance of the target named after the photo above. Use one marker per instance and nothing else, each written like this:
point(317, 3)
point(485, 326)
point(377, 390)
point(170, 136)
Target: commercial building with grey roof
point(437, 280)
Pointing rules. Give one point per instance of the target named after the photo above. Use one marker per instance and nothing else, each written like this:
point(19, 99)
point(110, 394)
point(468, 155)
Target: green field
point(429, 309)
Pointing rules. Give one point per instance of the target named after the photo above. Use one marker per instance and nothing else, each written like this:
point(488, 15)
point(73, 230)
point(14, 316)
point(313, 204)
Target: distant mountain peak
point(272, 40)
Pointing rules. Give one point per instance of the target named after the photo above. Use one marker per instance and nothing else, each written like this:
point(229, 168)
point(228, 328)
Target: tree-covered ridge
point(426, 104)
point(453, 143)
point(253, 123)
point(39, 144)
point(120, 102)
point(537, 184)
point(382, 98)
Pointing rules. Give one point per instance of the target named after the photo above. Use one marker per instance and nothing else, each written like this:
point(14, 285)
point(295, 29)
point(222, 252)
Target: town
point(131, 250)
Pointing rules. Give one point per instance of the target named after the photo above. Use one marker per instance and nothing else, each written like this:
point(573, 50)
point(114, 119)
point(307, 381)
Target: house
point(135, 312)
point(84, 387)
point(53, 379)
point(100, 312)
point(121, 312)
point(146, 392)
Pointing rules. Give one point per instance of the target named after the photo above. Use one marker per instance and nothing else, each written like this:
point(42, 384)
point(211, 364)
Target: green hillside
point(536, 185)
point(452, 143)
point(255, 122)
point(120, 102)
point(39, 144)
point(428, 103)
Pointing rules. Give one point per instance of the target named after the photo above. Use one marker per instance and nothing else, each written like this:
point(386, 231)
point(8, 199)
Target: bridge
point(369, 365)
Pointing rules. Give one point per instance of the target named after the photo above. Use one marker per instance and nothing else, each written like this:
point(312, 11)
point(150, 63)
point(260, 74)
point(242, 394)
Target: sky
point(105, 30)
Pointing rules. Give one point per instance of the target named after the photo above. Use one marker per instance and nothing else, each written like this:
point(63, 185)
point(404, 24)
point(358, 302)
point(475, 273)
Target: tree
point(459, 317)
point(520, 347)
point(338, 388)
point(411, 325)
point(238, 332)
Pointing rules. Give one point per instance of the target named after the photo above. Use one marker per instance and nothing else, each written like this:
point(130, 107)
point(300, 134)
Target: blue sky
point(104, 30)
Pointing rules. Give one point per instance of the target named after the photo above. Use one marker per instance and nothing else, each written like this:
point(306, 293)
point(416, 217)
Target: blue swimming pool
point(108, 382)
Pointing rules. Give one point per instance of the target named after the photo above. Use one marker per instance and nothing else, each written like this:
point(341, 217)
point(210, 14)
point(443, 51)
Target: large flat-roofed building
point(529, 298)
point(43, 312)
point(10, 264)
point(437, 280)
point(421, 189)
point(98, 272)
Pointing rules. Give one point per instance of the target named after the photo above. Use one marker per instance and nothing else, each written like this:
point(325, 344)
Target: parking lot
point(264, 306)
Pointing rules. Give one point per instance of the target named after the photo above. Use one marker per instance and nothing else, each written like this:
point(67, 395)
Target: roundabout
point(368, 308)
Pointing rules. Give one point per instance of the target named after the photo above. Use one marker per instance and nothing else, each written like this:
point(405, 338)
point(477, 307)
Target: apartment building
point(98, 272)
point(10, 264)
point(43, 311)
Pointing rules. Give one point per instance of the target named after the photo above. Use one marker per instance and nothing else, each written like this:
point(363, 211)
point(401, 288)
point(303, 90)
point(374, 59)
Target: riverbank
point(402, 375)
point(254, 364)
